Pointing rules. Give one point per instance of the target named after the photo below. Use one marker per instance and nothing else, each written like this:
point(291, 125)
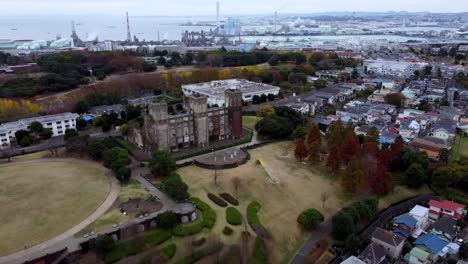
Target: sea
point(103, 27)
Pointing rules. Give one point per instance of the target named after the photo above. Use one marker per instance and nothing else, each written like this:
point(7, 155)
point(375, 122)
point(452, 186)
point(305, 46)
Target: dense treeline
point(223, 58)
point(67, 70)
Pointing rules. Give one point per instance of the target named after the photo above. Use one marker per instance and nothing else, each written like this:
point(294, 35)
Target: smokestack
point(129, 35)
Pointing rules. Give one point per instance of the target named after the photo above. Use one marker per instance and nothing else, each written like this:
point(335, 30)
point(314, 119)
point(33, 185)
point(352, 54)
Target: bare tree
point(236, 182)
point(324, 197)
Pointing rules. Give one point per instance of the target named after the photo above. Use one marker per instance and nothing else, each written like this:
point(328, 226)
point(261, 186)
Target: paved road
point(58, 241)
point(322, 230)
point(253, 141)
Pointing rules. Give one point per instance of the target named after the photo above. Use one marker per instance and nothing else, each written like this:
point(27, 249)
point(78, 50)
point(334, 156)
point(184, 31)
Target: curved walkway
point(112, 195)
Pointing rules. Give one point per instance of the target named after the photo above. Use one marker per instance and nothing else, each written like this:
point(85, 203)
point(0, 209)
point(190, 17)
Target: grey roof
point(102, 109)
point(24, 123)
point(388, 237)
point(373, 253)
point(445, 224)
point(449, 126)
point(183, 208)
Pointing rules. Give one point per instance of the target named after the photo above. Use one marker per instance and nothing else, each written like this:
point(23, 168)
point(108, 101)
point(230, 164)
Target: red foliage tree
point(369, 148)
point(397, 146)
point(300, 152)
point(385, 157)
point(382, 182)
point(334, 159)
point(351, 148)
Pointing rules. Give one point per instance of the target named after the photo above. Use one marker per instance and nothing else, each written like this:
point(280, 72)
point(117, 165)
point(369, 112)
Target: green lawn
point(133, 190)
point(249, 121)
point(104, 221)
point(460, 148)
point(127, 145)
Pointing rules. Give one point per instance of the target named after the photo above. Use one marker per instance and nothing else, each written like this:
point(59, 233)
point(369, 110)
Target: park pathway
point(60, 240)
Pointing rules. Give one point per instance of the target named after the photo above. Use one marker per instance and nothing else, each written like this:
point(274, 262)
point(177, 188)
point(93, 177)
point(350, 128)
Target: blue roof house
point(404, 225)
point(432, 244)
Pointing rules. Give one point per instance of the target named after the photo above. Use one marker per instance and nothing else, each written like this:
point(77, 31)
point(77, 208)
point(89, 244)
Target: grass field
point(249, 121)
point(460, 148)
point(43, 198)
point(298, 187)
point(400, 193)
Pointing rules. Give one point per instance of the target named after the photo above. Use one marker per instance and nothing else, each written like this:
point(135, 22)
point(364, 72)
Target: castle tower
point(160, 124)
point(233, 99)
point(198, 106)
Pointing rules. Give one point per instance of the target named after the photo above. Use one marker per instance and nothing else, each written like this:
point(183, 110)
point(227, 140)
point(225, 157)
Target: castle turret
point(233, 100)
point(198, 105)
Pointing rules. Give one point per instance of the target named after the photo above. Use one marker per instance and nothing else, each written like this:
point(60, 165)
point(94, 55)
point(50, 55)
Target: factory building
point(215, 90)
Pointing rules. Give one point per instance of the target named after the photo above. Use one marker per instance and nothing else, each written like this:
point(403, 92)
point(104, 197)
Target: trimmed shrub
point(227, 231)
point(310, 218)
point(252, 213)
point(233, 216)
point(169, 250)
point(199, 242)
point(215, 199)
point(175, 187)
point(229, 198)
point(124, 249)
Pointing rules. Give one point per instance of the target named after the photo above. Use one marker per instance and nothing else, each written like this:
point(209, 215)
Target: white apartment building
point(58, 123)
point(215, 90)
point(393, 68)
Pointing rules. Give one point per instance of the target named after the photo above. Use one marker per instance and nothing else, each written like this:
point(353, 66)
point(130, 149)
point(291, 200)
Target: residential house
point(449, 113)
point(373, 254)
point(432, 149)
point(357, 114)
point(392, 242)
point(352, 260)
point(378, 96)
point(433, 245)
point(421, 214)
point(409, 128)
point(302, 108)
point(445, 207)
point(444, 129)
point(418, 256)
point(387, 137)
point(445, 227)
point(405, 225)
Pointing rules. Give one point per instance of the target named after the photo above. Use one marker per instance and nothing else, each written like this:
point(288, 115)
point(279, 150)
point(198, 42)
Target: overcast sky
point(228, 7)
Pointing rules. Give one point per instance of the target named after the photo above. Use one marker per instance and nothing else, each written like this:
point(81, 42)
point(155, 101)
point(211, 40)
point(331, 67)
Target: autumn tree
point(397, 146)
point(300, 152)
point(381, 183)
point(385, 157)
point(265, 111)
point(395, 99)
point(334, 159)
point(352, 176)
point(351, 148)
point(334, 135)
point(314, 142)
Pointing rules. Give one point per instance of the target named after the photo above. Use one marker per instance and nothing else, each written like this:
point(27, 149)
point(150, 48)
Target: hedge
point(233, 216)
point(208, 220)
point(156, 237)
point(252, 213)
point(229, 198)
point(259, 254)
point(169, 250)
point(199, 254)
point(215, 199)
point(124, 249)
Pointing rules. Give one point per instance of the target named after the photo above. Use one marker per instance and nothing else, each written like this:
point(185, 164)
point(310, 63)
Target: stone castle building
point(197, 127)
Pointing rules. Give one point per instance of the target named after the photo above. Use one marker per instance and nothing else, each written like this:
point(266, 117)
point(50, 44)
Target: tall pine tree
point(334, 159)
point(353, 176)
point(300, 152)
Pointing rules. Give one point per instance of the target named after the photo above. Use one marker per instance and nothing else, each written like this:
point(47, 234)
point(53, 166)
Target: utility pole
point(276, 19)
point(129, 35)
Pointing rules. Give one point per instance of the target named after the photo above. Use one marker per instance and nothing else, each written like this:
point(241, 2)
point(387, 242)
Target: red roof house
point(445, 207)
